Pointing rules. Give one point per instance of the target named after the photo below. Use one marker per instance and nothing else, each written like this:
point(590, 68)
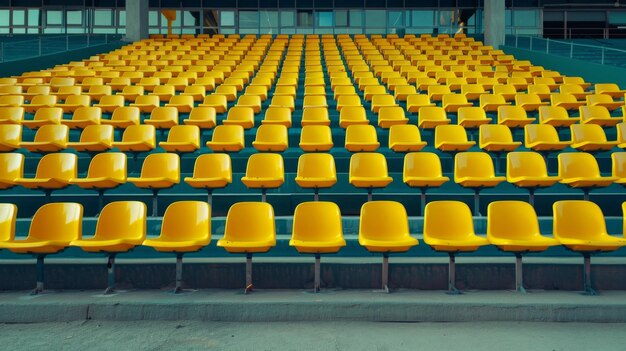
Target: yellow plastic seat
point(402, 92)
point(264, 171)
point(555, 116)
point(580, 170)
point(405, 138)
point(580, 226)
point(257, 90)
point(590, 137)
point(431, 117)
point(11, 101)
point(282, 115)
point(121, 227)
point(38, 102)
point(423, 170)
point(97, 92)
point(513, 226)
point(11, 168)
point(316, 230)
point(369, 170)
point(159, 171)
point(513, 116)
point(8, 217)
point(452, 138)
point(186, 228)
point(436, 92)
point(316, 171)
point(314, 101)
point(543, 138)
point(618, 168)
point(283, 101)
point(384, 228)
point(73, 102)
point(10, 137)
point(243, 116)
point(197, 92)
point(598, 115)
point(48, 138)
point(94, 138)
point(352, 115)
point(163, 117)
point(526, 169)
point(315, 138)
point(217, 102)
point(496, 138)
point(83, 117)
point(229, 138)
point(211, 171)
point(603, 100)
point(621, 135)
point(182, 103)
point(380, 101)
point(491, 102)
point(250, 228)
point(52, 229)
point(529, 102)
point(106, 171)
point(475, 170)
point(44, 116)
point(271, 137)
point(578, 81)
point(202, 117)
point(123, 117)
point(449, 227)
point(473, 92)
point(110, 103)
point(131, 92)
point(415, 102)
point(472, 117)
point(182, 139)
point(146, 103)
point(54, 171)
point(390, 116)
point(11, 115)
point(565, 100)
point(453, 102)
point(576, 90)
point(610, 89)
point(361, 138)
point(227, 91)
point(163, 92)
point(507, 91)
point(137, 138)
point(348, 101)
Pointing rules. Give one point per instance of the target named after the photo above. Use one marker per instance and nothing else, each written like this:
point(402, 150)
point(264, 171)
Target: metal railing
point(589, 53)
point(45, 45)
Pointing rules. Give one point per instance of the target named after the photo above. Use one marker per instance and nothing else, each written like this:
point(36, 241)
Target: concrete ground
point(362, 336)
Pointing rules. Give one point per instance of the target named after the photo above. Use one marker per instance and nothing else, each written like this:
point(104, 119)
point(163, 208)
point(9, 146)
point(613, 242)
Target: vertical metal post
point(39, 47)
point(263, 195)
point(571, 49)
point(516, 40)
point(1, 51)
point(155, 202)
point(385, 272)
point(317, 269)
point(179, 273)
point(88, 40)
point(67, 42)
point(602, 56)
point(369, 194)
point(316, 195)
point(531, 43)
point(423, 198)
point(100, 200)
point(40, 275)
point(110, 275)
point(519, 274)
point(210, 197)
point(248, 273)
point(586, 194)
point(547, 45)
point(476, 202)
point(587, 288)
point(452, 275)
point(531, 196)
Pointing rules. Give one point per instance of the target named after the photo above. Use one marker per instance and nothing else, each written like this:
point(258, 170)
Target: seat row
point(474, 170)
point(250, 229)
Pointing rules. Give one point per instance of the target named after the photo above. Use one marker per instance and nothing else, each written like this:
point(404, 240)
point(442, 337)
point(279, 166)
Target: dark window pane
point(395, 3)
point(304, 3)
point(349, 3)
point(375, 3)
point(287, 3)
point(268, 4)
point(248, 3)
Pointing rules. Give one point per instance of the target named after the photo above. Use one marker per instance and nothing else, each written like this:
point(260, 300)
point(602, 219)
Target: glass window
point(103, 18)
point(305, 18)
point(54, 17)
point(4, 19)
point(375, 18)
point(188, 19)
point(356, 18)
point(396, 18)
point(617, 17)
point(227, 18)
point(248, 19)
point(18, 18)
point(74, 18)
point(122, 18)
point(153, 19)
point(341, 18)
point(422, 18)
point(526, 18)
point(176, 23)
point(324, 18)
point(269, 19)
point(287, 19)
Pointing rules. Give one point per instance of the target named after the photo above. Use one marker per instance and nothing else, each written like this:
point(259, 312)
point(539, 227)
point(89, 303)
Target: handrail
point(16, 50)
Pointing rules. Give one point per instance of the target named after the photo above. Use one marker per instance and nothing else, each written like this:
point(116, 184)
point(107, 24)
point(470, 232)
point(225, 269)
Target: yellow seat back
point(213, 166)
point(450, 133)
point(111, 165)
point(272, 133)
point(497, 133)
point(122, 220)
point(587, 132)
point(316, 166)
point(514, 220)
point(473, 164)
point(12, 114)
point(165, 165)
point(368, 164)
point(84, 113)
point(511, 112)
point(422, 164)
point(60, 166)
point(8, 215)
point(578, 165)
point(618, 164)
point(318, 221)
point(56, 133)
point(250, 222)
point(52, 114)
point(164, 114)
point(578, 219)
point(11, 166)
point(525, 164)
point(126, 113)
point(97, 133)
point(228, 133)
point(265, 165)
point(448, 220)
point(587, 112)
point(61, 222)
point(383, 221)
point(404, 133)
point(545, 133)
point(11, 134)
point(140, 133)
point(361, 133)
point(187, 220)
point(184, 134)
